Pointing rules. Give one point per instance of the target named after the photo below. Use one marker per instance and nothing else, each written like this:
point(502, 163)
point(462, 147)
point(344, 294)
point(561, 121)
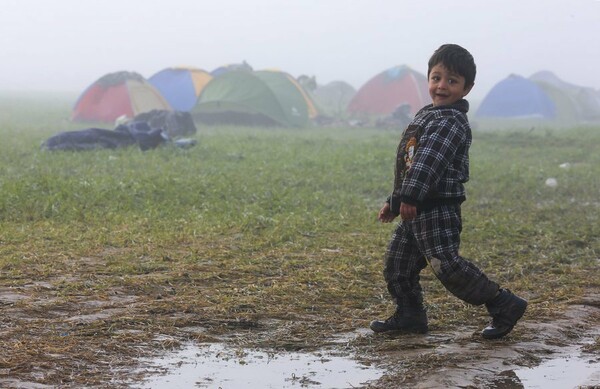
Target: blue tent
point(517, 97)
point(180, 86)
point(244, 66)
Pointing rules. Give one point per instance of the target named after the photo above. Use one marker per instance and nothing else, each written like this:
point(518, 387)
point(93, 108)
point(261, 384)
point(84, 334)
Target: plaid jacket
point(432, 161)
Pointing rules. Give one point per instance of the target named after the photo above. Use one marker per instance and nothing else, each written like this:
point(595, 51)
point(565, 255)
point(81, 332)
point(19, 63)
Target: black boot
point(506, 309)
point(410, 321)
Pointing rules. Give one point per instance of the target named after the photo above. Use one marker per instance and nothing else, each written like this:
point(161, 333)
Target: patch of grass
point(256, 225)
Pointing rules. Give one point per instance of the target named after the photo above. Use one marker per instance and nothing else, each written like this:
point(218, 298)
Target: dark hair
point(456, 59)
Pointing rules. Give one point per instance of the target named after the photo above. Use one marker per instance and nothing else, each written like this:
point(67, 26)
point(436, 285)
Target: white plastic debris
point(123, 119)
point(551, 182)
point(565, 165)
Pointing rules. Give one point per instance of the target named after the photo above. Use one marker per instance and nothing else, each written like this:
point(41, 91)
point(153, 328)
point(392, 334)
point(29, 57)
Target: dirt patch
point(96, 340)
point(462, 359)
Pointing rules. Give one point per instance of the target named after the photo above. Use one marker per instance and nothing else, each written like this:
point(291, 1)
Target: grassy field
point(254, 226)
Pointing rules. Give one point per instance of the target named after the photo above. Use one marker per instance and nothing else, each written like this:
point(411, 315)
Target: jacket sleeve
point(438, 145)
point(394, 203)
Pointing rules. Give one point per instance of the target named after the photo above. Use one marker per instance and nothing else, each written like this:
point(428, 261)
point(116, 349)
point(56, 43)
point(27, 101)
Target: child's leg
point(403, 263)
point(437, 232)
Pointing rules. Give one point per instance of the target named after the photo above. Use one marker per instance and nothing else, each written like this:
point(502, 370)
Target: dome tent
point(585, 99)
point(242, 67)
point(388, 90)
point(180, 86)
point(334, 96)
point(311, 106)
point(517, 97)
point(252, 98)
point(117, 94)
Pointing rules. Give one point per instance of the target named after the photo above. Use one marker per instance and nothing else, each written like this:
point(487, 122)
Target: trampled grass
point(275, 224)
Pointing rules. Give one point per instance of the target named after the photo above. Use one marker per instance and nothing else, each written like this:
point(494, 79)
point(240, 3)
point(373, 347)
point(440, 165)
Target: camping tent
point(334, 97)
point(115, 95)
point(244, 67)
point(252, 98)
point(180, 86)
point(311, 107)
point(388, 90)
point(517, 97)
point(585, 99)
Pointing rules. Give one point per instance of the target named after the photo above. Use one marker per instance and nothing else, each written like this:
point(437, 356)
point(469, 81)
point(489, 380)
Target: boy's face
point(446, 87)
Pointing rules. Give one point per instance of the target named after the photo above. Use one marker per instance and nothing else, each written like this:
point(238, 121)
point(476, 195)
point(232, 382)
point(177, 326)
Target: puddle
point(215, 366)
point(560, 373)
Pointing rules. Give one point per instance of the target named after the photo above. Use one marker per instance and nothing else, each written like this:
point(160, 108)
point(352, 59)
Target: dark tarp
point(147, 130)
point(124, 135)
point(174, 123)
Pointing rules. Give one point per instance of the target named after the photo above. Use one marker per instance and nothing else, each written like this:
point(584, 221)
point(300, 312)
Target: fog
point(65, 45)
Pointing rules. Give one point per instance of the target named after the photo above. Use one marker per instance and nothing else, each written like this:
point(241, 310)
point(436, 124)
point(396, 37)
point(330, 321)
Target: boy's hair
point(456, 59)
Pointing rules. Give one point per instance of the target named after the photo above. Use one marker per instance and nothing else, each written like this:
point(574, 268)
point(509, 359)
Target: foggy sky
point(65, 45)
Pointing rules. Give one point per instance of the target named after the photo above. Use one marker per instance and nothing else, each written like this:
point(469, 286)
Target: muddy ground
point(51, 340)
point(462, 359)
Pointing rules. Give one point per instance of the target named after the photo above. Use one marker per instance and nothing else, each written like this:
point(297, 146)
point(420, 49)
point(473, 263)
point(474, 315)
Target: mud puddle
point(560, 373)
point(216, 366)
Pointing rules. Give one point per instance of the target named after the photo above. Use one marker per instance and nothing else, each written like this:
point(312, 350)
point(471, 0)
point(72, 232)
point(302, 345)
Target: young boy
point(432, 164)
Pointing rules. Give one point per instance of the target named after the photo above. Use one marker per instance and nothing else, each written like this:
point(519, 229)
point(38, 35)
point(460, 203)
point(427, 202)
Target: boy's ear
point(467, 89)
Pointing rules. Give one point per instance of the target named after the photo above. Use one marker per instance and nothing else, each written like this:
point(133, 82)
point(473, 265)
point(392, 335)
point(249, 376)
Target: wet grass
point(269, 233)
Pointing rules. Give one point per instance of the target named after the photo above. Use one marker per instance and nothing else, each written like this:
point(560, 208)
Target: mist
point(66, 45)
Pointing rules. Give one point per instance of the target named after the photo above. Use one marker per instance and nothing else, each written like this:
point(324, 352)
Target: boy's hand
point(407, 211)
point(385, 214)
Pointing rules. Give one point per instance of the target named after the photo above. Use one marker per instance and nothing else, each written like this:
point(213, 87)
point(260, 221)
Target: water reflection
point(561, 373)
point(215, 366)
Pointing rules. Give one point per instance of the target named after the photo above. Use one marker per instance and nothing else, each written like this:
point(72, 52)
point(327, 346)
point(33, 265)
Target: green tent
point(583, 99)
point(252, 98)
point(566, 107)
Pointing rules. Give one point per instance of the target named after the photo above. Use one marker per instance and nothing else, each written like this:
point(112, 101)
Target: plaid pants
point(434, 238)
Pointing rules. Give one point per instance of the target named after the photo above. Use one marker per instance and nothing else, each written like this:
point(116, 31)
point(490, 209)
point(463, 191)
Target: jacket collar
point(462, 105)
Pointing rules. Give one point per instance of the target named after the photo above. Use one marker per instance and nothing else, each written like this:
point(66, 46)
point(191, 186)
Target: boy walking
point(432, 165)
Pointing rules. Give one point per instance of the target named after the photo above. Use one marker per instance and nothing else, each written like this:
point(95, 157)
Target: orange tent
point(385, 92)
point(115, 95)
